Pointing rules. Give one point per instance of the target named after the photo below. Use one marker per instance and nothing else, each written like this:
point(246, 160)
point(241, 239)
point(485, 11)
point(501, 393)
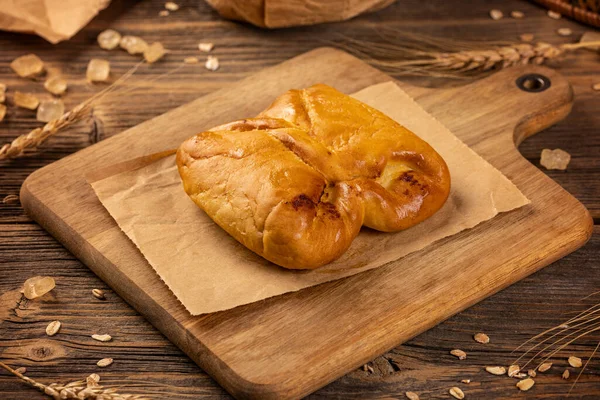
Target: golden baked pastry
point(296, 183)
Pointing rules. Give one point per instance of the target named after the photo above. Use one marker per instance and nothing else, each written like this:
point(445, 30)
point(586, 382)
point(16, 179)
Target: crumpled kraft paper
point(285, 13)
point(54, 20)
point(210, 271)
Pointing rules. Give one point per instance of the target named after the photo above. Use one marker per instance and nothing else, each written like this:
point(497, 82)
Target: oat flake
point(105, 362)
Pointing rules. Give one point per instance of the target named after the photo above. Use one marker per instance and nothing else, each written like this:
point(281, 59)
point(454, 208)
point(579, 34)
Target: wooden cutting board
point(290, 345)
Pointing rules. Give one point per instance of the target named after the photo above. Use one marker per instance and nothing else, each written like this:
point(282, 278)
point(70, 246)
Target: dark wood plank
point(146, 362)
point(152, 364)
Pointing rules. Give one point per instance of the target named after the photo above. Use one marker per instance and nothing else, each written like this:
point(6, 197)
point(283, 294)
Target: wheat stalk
point(37, 136)
point(79, 390)
point(583, 324)
point(418, 55)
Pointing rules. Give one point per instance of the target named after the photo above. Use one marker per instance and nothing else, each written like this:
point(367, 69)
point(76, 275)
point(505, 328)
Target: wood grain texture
point(323, 332)
point(148, 363)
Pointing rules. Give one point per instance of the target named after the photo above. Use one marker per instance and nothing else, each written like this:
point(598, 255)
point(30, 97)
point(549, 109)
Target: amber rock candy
point(56, 85)
point(2, 111)
point(26, 100)
point(154, 52)
point(555, 159)
point(27, 66)
point(109, 39)
point(50, 109)
point(212, 63)
point(2, 92)
point(38, 286)
point(133, 44)
point(169, 5)
point(97, 70)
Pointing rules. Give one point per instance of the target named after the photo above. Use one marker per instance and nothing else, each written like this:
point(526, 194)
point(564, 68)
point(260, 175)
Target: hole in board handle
point(533, 83)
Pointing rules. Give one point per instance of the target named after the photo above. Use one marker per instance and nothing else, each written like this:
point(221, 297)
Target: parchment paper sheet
point(54, 20)
point(210, 271)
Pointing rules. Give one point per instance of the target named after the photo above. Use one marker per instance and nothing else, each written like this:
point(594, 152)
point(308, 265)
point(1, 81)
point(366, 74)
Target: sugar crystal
point(205, 47)
point(212, 63)
point(169, 5)
point(26, 100)
point(190, 60)
point(56, 85)
point(109, 39)
point(133, 44)
point(2, 92)
point(38, 286)
point(50, 109)
point(27, 66)
point(555, 159)
point(154, 52)
point(97, 70)
point(2, 111)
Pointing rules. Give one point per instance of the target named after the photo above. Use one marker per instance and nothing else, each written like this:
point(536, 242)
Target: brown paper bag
point(209, 271)
point(54, 20)
point(285, 13)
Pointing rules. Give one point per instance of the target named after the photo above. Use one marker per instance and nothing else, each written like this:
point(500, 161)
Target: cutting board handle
point(536, 96)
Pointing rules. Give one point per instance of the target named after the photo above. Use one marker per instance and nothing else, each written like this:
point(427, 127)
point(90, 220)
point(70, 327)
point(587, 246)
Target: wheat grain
point(545, 367)
point(53, 328)
point(525, 384)
point(496, 370)
point(102, 338)
point(10, 199)
point(79, 390)
point(456, 393)
point(459, 353)
point(575, 362)
point(99, 294)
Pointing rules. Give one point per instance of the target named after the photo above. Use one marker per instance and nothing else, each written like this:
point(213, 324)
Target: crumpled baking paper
point(208, 270)
point(54, 20)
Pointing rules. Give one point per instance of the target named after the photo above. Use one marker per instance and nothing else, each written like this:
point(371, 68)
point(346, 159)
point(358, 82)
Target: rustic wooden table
point(145, 361)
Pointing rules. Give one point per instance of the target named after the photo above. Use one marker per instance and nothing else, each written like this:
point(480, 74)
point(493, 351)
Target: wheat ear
point(39, 135)
point(79, 390)
point(461, 63)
